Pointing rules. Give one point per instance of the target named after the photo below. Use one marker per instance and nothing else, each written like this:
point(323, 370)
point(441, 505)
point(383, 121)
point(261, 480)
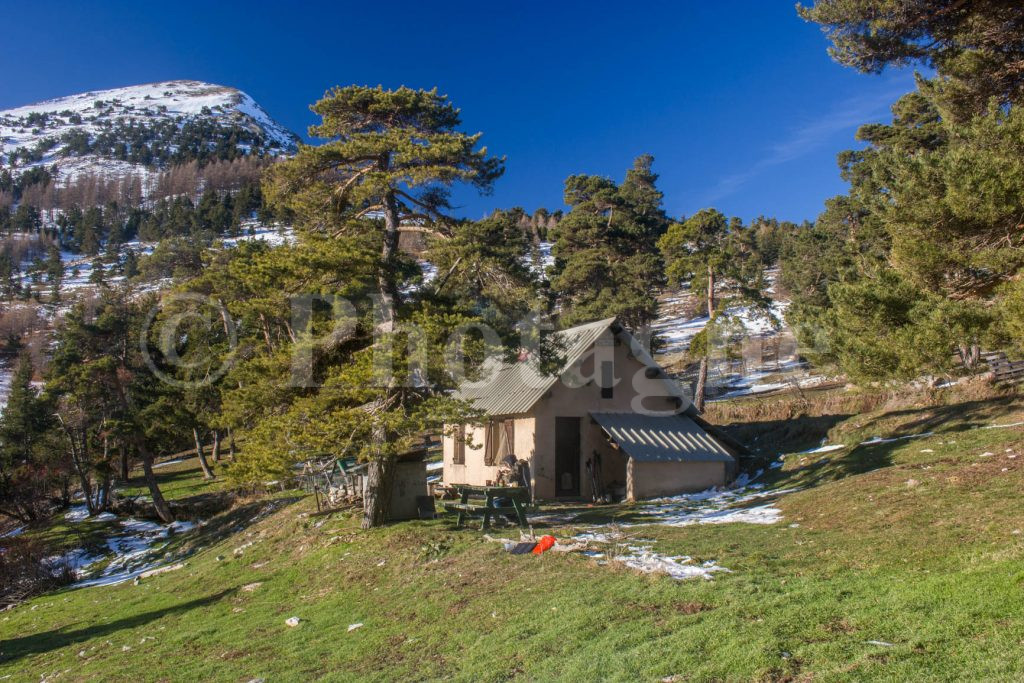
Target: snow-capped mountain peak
point(137, 129)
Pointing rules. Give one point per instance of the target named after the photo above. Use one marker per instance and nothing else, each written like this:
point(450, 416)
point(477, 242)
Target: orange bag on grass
point(543, 544)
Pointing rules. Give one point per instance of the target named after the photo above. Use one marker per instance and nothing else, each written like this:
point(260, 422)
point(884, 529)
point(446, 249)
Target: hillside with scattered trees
point(197, 311)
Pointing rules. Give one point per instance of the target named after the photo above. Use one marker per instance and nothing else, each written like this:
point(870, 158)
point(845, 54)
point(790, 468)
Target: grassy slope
point(177, 481)
point(920, 550)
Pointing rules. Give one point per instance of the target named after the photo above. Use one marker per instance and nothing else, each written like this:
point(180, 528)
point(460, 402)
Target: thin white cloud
point(847, 115)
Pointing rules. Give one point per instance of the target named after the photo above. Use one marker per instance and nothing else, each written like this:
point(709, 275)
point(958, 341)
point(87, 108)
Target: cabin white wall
point(474, 471)
point(654, 479)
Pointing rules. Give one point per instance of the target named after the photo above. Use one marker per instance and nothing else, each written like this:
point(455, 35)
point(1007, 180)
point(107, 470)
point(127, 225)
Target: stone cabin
point(611, 420)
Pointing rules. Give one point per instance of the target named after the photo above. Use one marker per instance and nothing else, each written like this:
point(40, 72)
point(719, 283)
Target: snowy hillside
point(754, 351)
point(136, 129)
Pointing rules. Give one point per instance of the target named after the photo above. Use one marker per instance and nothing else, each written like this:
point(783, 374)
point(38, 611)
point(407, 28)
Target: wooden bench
point(466, 507)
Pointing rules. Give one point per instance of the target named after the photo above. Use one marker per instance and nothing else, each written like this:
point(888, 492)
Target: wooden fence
point(1004, 369)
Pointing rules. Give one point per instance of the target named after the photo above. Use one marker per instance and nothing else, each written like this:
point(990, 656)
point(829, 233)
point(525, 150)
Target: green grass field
point(894, 561)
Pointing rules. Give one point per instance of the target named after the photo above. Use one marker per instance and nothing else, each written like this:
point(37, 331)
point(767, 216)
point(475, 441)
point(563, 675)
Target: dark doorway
point(567, 456)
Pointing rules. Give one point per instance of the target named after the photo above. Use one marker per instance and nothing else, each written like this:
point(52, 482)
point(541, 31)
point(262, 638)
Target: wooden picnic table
point(519, 496)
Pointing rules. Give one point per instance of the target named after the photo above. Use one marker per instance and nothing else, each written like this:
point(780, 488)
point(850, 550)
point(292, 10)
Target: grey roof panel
point(513, 388)
point(672, 438)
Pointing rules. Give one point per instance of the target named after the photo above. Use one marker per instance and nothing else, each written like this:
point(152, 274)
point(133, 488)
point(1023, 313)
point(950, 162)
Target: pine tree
point(98, 275)
point(130, 265)
point(706, 250)
point(932, 213)
point(54, 270)
point(90, 235)
point(27, 219)
point(395, 154)
point(483, 270)
point(975, 47)
point(103, 389)
point(27, 473)
point(10, 285)
point(70, 226)
point(606, 257)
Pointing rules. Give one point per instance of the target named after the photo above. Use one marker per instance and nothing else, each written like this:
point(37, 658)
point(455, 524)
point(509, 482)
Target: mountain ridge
point(138, 129)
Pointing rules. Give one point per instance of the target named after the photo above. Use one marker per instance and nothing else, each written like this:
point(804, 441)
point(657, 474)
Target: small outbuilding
point(610, 423)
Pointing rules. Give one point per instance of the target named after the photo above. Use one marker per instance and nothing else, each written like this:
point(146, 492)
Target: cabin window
point(459, 457)
point(501, 435)
point(607, 379)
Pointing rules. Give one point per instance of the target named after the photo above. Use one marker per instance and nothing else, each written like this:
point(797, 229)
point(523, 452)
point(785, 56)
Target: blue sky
point(737, 100)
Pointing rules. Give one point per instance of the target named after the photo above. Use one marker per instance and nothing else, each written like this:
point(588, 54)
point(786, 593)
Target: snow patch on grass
point(875, 440)
point(615, 547)
point(1012, 424)
point(679, 567)
point(80, 513)
point(715, 507)
point(677, 332)
point(133, 548)
point(736, 505)
point(824, 449)
point(175, 461)
point(273, 236)
point(75, 560)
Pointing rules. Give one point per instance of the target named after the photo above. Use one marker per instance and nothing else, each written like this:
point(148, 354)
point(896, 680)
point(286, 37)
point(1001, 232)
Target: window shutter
point(491, 441)
point(459, 457)
point(510, 436)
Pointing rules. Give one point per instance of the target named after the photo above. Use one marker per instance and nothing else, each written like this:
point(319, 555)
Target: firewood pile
point(335, 482)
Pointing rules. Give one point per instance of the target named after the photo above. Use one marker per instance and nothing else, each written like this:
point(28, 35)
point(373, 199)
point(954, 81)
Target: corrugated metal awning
point(671, 438)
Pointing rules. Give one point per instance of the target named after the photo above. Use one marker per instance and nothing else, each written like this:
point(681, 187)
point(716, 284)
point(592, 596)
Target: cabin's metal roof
point(661, 438)
point(513, 388)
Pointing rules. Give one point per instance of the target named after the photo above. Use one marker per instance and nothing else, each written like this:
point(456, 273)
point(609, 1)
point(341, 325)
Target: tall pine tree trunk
point(702, 375)
point(711, 293)
point(138, 439)
point(84, 466)
point(380, 473)
point(125, 471)
point(163, 510)
point(216, 445)
point(702, 382)
point(103, 496)
point(231, 444)
point(387, 290)
point(79, 463)
point(106, 471)
point(207, 472)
